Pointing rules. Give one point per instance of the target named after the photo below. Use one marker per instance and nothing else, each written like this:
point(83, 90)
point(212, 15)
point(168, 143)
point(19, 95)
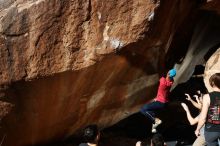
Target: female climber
point(160, 100)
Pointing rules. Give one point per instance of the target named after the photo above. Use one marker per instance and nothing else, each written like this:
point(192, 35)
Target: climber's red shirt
point(163, 90)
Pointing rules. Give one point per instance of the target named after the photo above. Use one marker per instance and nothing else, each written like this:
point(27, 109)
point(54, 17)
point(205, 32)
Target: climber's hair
point(91, 133)
point(214, 80)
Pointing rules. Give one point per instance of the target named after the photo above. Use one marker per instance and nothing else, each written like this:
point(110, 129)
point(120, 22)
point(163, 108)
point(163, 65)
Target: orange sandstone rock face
point(65, 64)
point(43, 37)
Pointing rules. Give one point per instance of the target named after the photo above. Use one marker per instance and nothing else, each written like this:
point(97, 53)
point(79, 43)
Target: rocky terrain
point(65, 64)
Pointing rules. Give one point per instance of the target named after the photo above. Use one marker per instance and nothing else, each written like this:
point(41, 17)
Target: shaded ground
point(175, 127)
point(137, 127)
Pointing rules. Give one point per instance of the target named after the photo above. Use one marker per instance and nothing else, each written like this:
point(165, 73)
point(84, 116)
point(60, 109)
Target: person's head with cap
point(91, 134)
point(172, 73)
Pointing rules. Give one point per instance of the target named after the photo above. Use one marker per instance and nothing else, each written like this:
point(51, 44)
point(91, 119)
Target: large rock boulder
point(65, 64)
point(40, 38)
